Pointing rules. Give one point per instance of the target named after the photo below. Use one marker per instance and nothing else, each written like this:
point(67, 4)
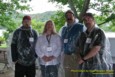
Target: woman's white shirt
point(41, 49)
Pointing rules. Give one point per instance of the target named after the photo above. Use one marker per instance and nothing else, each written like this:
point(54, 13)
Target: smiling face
point(69, 17)
point(49, 26)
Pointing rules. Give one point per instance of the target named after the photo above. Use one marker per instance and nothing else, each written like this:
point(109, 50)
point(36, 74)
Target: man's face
point(88, 21)
point(26, 22)
point(70, 17)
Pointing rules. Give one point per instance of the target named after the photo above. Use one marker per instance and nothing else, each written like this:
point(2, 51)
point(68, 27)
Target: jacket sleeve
point(14, 52)
point(36, 34)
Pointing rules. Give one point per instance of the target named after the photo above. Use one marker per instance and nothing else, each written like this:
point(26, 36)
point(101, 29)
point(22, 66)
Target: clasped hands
point(48, 58)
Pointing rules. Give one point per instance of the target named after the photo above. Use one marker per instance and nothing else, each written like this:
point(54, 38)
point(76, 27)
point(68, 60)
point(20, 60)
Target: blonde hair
point(45, 27)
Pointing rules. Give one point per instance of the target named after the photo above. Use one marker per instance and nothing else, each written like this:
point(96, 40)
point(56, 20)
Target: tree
point(38, 26)
point(9, 13)
point(7, 9)
point(106, 8)
point(59, 19)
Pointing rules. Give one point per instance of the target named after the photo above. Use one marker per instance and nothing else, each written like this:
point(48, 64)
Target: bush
point(2, 40)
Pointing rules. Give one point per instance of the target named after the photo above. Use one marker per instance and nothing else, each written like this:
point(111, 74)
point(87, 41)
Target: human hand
point(47, 58)
point(51, 57)
point(80, 61)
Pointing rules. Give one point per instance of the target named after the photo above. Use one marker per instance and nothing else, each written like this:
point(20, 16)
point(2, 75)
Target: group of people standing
point(81, 49)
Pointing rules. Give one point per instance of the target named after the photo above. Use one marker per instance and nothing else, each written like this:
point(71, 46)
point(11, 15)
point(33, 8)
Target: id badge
point(31, 39)
point(65, 40)
point(88, 40)
point(49, 48)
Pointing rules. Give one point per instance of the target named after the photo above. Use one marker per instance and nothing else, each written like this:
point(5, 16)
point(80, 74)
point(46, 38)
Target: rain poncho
point(102, 60)
point(9, 58)
point(23, 46)
point(70, 34)
point(42, 46)
point(49, 47)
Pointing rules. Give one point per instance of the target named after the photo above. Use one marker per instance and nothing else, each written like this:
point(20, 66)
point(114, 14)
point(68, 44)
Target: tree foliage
point(104, 8)
point(38, 26)
point(7, 9)
point(59, 19)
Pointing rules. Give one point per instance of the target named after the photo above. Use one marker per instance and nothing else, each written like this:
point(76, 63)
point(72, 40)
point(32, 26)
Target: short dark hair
point(89, 15)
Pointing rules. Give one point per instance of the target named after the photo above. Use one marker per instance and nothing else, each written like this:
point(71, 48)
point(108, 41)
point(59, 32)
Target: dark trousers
point(21, 71)
point(49, 71)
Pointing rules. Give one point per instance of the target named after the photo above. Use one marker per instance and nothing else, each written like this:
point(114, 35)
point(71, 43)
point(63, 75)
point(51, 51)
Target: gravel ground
point(8, 73)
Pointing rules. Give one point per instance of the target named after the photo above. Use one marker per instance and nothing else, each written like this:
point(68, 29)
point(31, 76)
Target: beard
point(27, 25)
point(69, 19)
point(88, 24)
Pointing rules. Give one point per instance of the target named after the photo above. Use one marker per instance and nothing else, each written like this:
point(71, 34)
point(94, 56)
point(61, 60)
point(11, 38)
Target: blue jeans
point(49, 71)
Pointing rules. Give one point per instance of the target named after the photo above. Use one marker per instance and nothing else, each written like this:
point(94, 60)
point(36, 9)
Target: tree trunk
point(84, 9)
point(71, 5)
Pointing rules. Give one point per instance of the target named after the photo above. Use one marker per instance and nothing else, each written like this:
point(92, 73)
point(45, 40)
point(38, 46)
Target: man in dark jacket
point(23, 49)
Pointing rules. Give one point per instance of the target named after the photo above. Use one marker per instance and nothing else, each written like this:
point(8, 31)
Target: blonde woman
point(48, 49)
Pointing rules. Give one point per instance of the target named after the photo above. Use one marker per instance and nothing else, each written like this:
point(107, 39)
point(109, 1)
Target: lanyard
point(48, 37)
point(88, 35)
point(68, 29)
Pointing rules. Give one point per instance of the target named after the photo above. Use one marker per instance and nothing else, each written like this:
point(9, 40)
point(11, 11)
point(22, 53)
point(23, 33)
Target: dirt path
point(8, 73)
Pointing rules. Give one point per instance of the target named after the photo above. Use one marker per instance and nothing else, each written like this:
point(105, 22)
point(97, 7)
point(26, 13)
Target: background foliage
point(10, 18)
point(104, 11)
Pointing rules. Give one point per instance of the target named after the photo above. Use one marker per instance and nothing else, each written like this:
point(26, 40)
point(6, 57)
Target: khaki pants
point(70, 63)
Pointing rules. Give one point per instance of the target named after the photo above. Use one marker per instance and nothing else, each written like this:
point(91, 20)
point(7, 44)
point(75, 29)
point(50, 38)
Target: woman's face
point(49, 26)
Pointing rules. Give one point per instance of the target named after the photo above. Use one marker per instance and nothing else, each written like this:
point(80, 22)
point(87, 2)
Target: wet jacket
point(71, 33)
point(101, 61)
point(23, 46)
